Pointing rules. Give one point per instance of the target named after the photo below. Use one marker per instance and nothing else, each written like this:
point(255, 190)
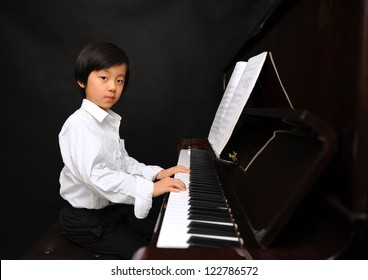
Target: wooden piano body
point(321, 51)
point(265, 190)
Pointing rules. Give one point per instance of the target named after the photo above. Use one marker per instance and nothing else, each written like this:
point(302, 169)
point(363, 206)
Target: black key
point(205, 202)
point(204, 217)
point(204, 186)
point(211, 242)
point(210, 209)
point(203, 190)
point(208, 213)
point(211, 229)
point(206, 197)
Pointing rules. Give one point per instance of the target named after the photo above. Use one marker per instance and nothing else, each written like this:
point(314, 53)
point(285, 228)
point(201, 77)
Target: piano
point(290, 183)
point(236, 207)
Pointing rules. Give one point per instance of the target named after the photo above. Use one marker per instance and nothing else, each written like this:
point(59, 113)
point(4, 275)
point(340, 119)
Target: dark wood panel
point(320, 48)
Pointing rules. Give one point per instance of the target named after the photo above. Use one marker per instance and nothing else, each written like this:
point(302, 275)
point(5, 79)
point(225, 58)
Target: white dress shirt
point(98, 170)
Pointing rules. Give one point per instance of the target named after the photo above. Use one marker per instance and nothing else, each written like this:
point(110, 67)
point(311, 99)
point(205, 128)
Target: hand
point(168, 185)
point(171, 171)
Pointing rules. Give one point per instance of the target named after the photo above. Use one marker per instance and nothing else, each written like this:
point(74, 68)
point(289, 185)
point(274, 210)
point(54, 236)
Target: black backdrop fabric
point(178, 50)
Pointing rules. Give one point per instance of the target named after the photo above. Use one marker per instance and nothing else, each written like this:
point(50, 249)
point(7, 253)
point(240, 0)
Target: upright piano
point(290, 183)
point(245, 205)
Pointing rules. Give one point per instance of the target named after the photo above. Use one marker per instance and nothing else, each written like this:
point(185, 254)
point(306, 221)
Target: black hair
point(98, 56)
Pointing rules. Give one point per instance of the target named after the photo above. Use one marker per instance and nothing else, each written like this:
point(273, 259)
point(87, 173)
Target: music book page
point(226, 99)
point(235, 97)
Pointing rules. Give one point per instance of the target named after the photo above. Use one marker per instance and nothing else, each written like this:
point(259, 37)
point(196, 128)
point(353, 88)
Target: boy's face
point(104, 87)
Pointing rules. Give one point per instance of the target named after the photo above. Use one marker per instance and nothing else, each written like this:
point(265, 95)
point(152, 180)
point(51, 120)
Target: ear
point(82, 85)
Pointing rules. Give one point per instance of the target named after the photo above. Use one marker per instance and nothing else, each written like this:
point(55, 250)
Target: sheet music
point(226, 99)
point(235, 97)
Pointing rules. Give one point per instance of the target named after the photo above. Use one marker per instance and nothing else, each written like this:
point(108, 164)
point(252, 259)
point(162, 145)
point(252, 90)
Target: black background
point(178, 51)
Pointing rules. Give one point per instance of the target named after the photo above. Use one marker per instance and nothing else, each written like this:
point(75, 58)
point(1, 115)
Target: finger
point(180, 168)
point(174, 189)
point(184, 169)
point(178, 184)
point(181, 186)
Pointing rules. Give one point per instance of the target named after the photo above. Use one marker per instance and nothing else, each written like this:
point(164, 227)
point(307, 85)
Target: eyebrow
point(106, 70)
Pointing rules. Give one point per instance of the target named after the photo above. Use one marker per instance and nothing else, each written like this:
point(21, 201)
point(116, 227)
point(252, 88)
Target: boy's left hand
point(171, 171)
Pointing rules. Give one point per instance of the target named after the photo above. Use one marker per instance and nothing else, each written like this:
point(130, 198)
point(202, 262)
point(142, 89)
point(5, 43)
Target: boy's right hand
point(168, 185)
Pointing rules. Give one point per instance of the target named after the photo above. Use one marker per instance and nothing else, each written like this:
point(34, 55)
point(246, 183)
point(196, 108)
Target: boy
point(110, 193)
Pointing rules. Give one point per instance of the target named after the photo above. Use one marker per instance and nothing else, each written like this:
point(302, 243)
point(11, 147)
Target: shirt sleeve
point(84, 155)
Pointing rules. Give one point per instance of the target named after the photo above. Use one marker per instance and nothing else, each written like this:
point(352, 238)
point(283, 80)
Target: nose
point(112, 86)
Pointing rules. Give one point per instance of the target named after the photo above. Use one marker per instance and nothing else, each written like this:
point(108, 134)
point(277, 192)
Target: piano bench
point(53, 245)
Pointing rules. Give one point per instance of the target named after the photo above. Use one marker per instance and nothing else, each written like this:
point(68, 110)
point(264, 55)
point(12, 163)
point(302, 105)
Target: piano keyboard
point(198, 216)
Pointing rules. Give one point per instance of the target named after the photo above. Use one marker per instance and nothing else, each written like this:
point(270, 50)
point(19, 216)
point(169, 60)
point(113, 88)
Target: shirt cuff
point(150, 172)
point(143, 199)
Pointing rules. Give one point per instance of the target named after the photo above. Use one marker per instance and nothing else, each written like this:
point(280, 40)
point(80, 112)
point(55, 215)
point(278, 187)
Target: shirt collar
point(98, 113)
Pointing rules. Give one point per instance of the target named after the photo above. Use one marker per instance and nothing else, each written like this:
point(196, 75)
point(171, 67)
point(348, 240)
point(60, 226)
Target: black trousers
point(112, 230)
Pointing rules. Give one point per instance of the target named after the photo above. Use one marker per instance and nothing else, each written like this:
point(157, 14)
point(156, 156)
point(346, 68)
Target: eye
point(121, 81)
point(104, 78)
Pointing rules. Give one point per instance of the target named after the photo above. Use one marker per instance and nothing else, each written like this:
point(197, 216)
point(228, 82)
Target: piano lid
point(276, 156)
